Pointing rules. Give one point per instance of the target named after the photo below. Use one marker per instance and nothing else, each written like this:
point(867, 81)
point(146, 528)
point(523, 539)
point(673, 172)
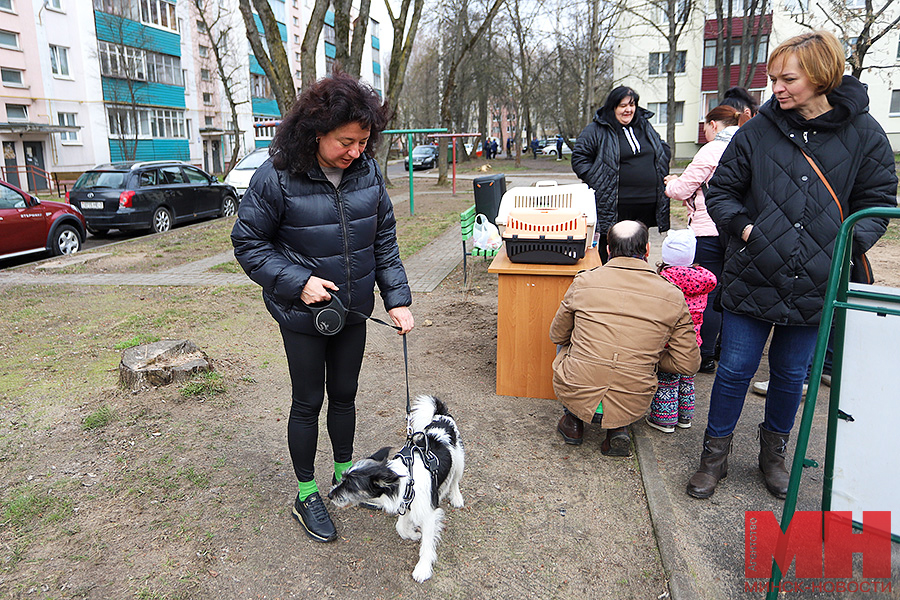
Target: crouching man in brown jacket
point(617, 324)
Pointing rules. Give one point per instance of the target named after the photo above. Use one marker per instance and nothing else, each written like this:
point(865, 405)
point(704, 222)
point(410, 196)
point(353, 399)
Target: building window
point(681, 10)
point(122, 62)
point(895, 103)
point(376, 55)
point(204, 74)
point(204, 51)
point(164, 68)
point(208, 121)
point(12, 77)
point(59, 61)
point(207, 98)
point(8, 39)
point(709, 51)
point(54, 5)
point(201, 26)
point(159, 12)
point(296, 39)
point(297, 56)
point(68, 120)
point(259, 86)
point(146, 122)
point(659, 62)
point(854, 4)
point(374, 27)
point(16, 112)
point(376, 82)
point(329, 33)
point(660, 118)
point(329, 65)
point(263, 132)
point(296, 20)
point(6, 5)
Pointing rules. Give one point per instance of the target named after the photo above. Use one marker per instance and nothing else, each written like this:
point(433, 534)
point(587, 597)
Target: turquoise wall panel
point(376, 68)
point(282, 29)
point(161, 149)
point(329, 18)
point(376, 43)
point(263, 107)
point(126, 32)
point(149, 94)
point(254, 66)
point(330, 50)
point(263, 143)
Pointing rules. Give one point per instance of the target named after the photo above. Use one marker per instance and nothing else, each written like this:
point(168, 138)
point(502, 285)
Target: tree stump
point(161, 363)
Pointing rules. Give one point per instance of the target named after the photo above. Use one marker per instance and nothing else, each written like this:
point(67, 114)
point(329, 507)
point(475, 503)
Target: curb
point(681, 586)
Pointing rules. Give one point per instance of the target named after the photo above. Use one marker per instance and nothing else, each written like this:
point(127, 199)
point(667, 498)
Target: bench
point(467, 226)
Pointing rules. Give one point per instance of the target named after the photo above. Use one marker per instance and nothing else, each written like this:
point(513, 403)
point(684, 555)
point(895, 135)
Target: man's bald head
point(628, 238)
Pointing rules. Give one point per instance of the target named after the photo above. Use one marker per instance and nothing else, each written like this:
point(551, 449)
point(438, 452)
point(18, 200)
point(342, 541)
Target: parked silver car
point(243, 171)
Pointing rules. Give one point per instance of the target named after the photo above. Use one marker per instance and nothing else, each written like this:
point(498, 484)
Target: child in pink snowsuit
point(674, 401)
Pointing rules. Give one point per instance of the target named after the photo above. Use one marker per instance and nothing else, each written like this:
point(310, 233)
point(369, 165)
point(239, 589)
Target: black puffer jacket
point(595, 160)
point(763, 179)
point(290, 228)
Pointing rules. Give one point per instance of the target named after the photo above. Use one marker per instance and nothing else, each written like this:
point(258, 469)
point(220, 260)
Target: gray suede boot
point(713, 466)
point(772, 448)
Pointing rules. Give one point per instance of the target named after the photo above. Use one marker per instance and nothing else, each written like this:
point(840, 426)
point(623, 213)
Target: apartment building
point(641, 58)
point(85, 83)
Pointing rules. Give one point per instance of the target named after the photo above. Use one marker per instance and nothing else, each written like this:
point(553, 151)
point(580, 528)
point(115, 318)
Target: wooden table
point(528, 297)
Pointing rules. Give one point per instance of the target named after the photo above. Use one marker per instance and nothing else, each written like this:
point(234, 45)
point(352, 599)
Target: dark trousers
point(710, 255)
point(318, 363)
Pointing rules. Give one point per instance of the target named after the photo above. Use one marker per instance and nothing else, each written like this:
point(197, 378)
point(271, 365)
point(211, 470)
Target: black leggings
point(317, 362)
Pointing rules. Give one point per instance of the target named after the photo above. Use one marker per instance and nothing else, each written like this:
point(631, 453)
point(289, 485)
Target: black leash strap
point(405, 361)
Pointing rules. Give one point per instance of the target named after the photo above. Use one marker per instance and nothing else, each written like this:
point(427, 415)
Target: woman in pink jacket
point(721, 123)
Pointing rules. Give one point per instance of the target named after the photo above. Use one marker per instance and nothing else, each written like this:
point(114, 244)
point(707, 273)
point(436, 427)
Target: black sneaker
point(708, 365)
point(313, 517)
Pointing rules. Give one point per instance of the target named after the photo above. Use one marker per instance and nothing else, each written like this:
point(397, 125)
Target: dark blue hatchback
point(151, 195)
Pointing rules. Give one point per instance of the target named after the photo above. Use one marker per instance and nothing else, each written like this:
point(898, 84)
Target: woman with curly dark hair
point(316, 222)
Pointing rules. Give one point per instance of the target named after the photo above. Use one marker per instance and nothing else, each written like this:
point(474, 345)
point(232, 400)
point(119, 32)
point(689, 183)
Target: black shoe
point(313, 517)
point(707, 365)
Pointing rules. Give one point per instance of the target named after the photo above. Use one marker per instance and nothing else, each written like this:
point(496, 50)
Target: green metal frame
point(838, 300)
point(409, 148)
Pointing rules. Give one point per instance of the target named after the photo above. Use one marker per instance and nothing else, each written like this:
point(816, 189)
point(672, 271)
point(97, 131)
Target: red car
point(30, 225)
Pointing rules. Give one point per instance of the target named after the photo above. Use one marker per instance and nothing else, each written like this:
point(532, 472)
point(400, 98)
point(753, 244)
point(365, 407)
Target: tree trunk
point(311, 43)
point(450, 83)
point(273, 60)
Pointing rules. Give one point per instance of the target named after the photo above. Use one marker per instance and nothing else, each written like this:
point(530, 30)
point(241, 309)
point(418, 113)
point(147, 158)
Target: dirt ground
point(186, 492)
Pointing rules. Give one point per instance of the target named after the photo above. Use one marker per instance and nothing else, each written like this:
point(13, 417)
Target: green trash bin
point(489, 192)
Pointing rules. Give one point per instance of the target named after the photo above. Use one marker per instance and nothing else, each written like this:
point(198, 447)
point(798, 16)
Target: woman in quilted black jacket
point(782, 222)
point(316, 221)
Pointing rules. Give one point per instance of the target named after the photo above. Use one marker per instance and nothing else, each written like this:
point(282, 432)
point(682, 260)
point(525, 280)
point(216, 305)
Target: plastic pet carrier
point(547, 224)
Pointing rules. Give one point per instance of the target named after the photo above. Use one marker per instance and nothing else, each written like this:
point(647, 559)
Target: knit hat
point(678, 247)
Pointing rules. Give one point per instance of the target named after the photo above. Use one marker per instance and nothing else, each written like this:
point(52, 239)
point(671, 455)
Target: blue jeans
point(743, 341)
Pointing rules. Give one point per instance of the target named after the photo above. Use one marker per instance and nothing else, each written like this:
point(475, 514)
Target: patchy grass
point(97, 419)
point(415, 232)
point(142, 338)
point(228, 267)
point(206, 384)
point(28, 506)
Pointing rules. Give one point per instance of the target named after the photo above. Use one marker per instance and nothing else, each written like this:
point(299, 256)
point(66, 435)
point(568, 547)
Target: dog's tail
point(423, 410)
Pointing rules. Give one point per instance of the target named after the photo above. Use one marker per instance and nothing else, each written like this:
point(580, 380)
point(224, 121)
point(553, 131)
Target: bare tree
point(859, 28)
point(676, 16)
point(348, 52)
point(124, 62)
point(270, 53)
point(450, 82)
point(752, 24)
point(405, 25)
point(216, 25)
point(311, 43)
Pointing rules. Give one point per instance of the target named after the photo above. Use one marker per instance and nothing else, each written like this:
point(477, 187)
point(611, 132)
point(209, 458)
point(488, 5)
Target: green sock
point(306, 488)
point(339, 469)
point(599, 410)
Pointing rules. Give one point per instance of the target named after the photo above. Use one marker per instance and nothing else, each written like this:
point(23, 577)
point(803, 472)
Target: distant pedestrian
point(559, 145)
point(509, 147)
point(494, 147)
point(535, 147)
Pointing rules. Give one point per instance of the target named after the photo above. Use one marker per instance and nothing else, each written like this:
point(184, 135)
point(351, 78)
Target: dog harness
point(417, 443)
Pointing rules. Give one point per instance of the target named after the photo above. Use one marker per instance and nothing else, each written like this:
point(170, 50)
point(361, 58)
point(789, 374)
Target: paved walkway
point(426, 269)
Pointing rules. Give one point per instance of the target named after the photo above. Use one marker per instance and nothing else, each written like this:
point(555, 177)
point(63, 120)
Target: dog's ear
point(382, 455)
point(385, 479)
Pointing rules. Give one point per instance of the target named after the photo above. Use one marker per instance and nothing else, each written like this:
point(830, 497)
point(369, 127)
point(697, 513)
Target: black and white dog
point(385, 482)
